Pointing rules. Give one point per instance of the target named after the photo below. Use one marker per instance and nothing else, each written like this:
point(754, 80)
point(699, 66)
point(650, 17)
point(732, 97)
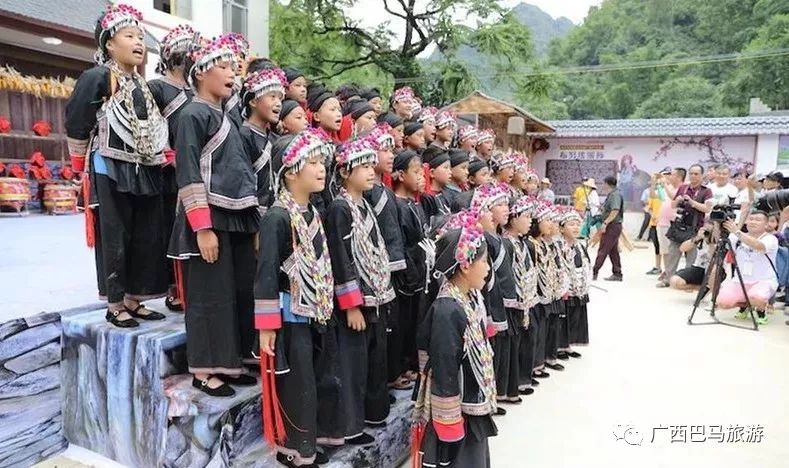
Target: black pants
point(644, 225)
point(526, 350)
point(552, 333)
point(308, 388)
point(410, 313)
point(362, 362)
point(130, 249)
point(506, 358)
point(540, 323)
point(394, 342)
point(653, 237)
point(563, 327)
point(220, 316)
point(579, 322)
point(169, 201)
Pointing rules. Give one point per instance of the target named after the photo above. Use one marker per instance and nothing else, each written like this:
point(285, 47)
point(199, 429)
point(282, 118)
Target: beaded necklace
point(372, 260)
point(145, 137)
point(475, 343)
point(310, 270)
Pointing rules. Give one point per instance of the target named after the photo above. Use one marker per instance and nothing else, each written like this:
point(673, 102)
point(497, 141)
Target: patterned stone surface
point(30, 418)
point(126, 395)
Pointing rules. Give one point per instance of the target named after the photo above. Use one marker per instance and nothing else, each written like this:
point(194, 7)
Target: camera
point(721, 213)
point(773, 201)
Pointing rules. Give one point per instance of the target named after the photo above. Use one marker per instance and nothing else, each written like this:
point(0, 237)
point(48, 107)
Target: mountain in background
point(544, 29)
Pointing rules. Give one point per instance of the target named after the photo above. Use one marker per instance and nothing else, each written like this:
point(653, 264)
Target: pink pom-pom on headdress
point(404, 94)
point(467, 132)
point(428, 115)
point(119, 16)
point(357, 152)
point(211, 52)
point(262, 82)
point(380, 137)
point(471, 238)
point(486, 135)
point(445, 118)
point(487, 196)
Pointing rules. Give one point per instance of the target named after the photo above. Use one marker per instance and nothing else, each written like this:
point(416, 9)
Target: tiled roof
point(752, 125)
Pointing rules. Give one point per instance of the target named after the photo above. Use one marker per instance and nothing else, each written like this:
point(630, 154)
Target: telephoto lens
point(773, 201)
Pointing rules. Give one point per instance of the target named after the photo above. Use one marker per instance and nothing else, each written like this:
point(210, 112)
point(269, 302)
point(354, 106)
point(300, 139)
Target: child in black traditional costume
point(233, 105)
point(427, 117)
point(557, 320)
point(445, 129)
point(467, 140)
point(297, 86)
point(516, 300)
point(414, 136)
point(518, 183)
point(401, 103)
point(486, 141)
point(294, 290)
point(261, 99)
point(363, 115)
point(503, 166)
point(456, 395)
point(215, 226)
point(373, 96)
point(383, 201)
point(578, 266)
point(408, 182)
point(492, 204)
point(292, 118)
point(459, 162)
point(397, 126)
point(172, 93)
point(478, 173)
point(548, 279)
point(363, 291)
point(116, 132)
point(437, 200)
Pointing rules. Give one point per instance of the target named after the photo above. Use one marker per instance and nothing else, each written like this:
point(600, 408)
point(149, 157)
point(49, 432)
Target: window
point(235, 16)
point(180, 8)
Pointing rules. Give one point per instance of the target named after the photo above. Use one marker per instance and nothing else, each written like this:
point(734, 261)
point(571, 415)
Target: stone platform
point(126, 395)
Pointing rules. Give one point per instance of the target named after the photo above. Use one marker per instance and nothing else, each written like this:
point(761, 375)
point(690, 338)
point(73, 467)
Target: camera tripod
point(715, 269)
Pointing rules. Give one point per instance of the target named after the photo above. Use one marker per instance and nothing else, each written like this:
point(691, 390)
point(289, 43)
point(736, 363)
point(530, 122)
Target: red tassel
point(273, 425)
point(386, 179)
point(90, 219)
point(417, 435)
point(428, 179)
point(180, 291)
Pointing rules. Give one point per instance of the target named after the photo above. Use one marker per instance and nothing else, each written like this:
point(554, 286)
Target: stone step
point(126, 396)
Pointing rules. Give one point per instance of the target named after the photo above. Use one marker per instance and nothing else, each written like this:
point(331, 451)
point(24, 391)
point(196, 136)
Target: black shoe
point(242, 380)
point(321, 458)
point(574, 354)
point(288, 461)
point(614, 278)
point(518, 401)
point(112, 317)
point(362, 440)
point(500, 412)
point(375, 425)
point(563, 356)
point(223, 390)
point(556, 367)
point(540, 374)
point(535, 383)
point(152, 314)
point(526, 391)
point(173, 307)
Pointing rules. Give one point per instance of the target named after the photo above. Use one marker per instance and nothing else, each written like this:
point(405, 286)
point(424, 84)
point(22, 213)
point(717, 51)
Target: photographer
point(691, 204)
point(756, 254)
point(692, 276)
point(608, 235)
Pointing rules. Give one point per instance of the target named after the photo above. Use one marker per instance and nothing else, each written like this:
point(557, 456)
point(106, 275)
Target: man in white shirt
point(723, 191)
point(755, 253)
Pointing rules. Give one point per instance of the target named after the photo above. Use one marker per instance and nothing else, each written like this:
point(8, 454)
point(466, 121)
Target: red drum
point(14, 194)
point(60, 199)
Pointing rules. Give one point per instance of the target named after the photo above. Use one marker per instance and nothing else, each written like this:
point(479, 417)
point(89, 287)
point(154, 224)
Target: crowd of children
point(346, 250)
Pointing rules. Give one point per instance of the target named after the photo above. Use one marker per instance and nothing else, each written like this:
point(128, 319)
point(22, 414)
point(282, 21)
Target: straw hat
point(546, 181)
point(590, 183)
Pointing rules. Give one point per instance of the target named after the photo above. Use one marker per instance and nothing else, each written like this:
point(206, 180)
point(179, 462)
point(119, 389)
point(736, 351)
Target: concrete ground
point(44, 265)
point(646, 371)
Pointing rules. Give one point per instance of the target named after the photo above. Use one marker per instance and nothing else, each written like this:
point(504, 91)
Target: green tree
point(682, 97)
point(320, 37)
